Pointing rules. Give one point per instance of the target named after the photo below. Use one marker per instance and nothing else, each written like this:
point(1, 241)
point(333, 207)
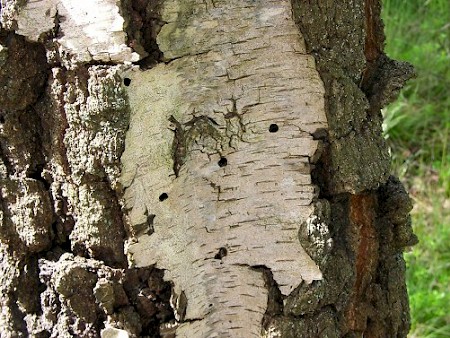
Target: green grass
point(429, 265)
point(418, 129)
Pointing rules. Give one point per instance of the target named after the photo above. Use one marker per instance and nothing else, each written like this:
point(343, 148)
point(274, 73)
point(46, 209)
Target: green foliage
point(419, 32)
point(417, 127)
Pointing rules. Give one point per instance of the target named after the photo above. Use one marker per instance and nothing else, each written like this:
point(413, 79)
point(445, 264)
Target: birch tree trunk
point(187, 168)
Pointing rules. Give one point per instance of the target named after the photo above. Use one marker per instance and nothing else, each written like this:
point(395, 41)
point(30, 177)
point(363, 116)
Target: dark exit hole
point(221, 254)
point(163, 196)
point(273, 128)
point(127, 81)
point(222, 162)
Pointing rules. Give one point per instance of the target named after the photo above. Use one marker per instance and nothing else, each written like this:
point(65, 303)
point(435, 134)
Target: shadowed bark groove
point(143, 23)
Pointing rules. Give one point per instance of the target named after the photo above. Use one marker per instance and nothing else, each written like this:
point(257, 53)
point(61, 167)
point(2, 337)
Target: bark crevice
point(143, 24)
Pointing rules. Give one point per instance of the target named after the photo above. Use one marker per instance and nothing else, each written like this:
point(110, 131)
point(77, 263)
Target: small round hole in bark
point(222, 162)
point(127, 81)
point(221, 254)
point(163, 196)
point(273, 128)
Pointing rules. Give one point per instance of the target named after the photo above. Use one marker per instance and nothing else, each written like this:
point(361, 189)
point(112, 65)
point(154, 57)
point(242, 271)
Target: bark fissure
point(143, 23)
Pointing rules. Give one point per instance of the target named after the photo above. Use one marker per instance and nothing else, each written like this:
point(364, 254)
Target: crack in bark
point(143, 23)
point(178, 146)
point(190, 133)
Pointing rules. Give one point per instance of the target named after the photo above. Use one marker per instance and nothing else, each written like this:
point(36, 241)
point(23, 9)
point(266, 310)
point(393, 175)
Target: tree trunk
point(209, 168)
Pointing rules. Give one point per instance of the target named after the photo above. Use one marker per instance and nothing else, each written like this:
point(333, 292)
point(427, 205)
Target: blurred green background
point(417, 127)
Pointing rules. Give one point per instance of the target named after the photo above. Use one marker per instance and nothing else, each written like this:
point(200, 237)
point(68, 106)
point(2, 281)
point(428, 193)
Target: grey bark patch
point(27, 214)
point(358, 157)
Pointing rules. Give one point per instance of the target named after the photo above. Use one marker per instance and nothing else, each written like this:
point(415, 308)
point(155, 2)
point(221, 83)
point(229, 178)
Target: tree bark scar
point(362, 219)
point(187, 133)
point(374, 39)
point(374, 31)
point(178, 146)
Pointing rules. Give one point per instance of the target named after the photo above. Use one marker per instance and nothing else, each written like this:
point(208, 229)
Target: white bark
point(90, 30)
point(234, 68)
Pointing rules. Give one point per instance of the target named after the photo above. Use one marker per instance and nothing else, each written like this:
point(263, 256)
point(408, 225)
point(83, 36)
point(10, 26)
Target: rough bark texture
point(198, 168)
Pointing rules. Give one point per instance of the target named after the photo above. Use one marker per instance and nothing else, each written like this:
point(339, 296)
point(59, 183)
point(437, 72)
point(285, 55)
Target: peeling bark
point(220, 96)
point(198, 169)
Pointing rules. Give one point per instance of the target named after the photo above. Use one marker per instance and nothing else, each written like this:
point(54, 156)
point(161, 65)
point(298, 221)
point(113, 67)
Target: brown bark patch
point(23, 71)
point(362, 220)
point(374, 40)
point(374, 30)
